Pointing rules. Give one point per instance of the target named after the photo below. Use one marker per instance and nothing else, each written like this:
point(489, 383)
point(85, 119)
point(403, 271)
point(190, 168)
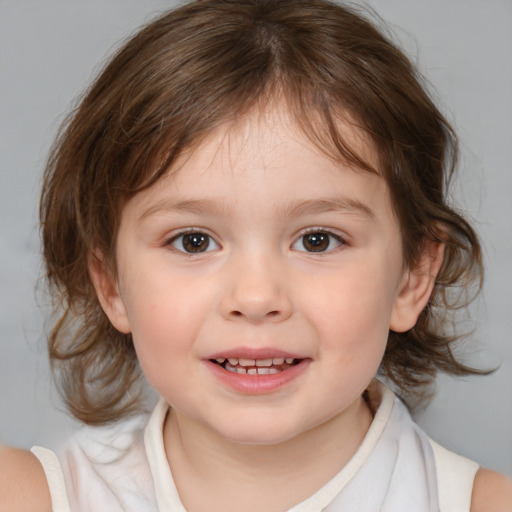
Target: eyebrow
point(194, 206)
point(294, 208)
point(324, 205)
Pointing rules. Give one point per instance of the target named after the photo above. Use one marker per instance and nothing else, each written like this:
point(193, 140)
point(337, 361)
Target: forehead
point(266, 138)
point(267, 159)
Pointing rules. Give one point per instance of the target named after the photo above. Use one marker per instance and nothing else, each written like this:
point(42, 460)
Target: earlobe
point(108, 294)
point(416, 288)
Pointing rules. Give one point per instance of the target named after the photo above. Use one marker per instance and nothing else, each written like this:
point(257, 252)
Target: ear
point(107, 290)
point(416, 287)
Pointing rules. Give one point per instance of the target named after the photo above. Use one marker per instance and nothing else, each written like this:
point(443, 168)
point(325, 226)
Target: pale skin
point(260, 196)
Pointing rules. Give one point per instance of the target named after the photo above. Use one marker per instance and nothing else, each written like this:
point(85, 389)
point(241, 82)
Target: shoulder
point(492, 492)
point(23, 484)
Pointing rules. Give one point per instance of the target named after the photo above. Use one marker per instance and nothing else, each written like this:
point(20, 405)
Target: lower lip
point(257, 384)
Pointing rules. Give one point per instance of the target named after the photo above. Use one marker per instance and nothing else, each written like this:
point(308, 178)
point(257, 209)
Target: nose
point(255, 291)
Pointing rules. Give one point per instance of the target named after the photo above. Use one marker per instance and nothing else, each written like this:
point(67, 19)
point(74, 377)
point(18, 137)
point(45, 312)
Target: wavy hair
point(209, 62)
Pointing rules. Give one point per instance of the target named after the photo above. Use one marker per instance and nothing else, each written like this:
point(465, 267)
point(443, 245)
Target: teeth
point(254, 366)
point(263, 362)
point(252, 371)
point(229, 368)
point(277, 361)
point(268, 371)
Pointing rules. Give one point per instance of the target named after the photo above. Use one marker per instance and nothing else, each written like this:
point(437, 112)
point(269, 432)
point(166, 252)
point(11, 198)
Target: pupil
point(195, 242)
point(316, 242)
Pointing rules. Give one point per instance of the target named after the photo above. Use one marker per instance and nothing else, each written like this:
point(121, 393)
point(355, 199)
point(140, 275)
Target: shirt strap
point(455, 477)
point(54, 477)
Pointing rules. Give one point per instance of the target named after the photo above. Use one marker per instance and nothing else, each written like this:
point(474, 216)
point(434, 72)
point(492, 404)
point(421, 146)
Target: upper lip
point(254, 353)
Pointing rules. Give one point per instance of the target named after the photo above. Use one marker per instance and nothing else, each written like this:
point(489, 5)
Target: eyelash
point(179, 240)
point(181, 236)
point(320, 231)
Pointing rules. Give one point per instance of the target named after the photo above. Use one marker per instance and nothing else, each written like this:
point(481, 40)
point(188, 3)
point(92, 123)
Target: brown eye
point(317, 241)
point(194, 243)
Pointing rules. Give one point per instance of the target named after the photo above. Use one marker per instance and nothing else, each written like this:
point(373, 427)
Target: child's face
point(260, 248)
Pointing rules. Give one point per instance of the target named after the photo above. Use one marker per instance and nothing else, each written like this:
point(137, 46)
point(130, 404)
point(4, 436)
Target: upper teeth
point(233, 361)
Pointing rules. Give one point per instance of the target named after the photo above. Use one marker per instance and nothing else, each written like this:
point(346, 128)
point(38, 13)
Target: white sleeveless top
point(397, 468)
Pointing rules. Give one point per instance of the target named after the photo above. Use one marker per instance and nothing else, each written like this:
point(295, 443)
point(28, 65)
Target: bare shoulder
point(23, 484)
point(492, 492)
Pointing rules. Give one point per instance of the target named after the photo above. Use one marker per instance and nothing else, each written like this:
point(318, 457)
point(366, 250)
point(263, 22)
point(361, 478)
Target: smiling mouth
point(268, 366)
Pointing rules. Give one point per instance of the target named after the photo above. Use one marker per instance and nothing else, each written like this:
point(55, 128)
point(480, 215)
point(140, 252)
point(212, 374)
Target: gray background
point(50, 49)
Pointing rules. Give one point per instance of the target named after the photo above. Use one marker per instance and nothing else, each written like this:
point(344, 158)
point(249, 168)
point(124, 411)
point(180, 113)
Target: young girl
point(249, 209)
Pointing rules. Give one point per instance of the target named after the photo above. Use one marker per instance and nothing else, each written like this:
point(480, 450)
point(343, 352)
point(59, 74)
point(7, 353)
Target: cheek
point(164, 326)
point(352, 315)
point(165, 314)
point(163, 337)
point(356, 301)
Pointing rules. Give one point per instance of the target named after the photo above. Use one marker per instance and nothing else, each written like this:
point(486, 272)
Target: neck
point(251, 476)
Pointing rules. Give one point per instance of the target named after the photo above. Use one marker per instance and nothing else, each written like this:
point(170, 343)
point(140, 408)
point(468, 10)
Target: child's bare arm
point(492, 492)
point(23, 484)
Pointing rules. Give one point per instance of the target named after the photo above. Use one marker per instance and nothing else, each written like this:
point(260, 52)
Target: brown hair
point(212, 61)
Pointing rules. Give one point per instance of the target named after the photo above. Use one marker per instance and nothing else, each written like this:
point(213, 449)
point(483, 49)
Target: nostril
point(270, 315)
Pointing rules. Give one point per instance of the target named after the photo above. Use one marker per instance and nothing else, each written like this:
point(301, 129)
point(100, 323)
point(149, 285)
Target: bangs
point(319, 119)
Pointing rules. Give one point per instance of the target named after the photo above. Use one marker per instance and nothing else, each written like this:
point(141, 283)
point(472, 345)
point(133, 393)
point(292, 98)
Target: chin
point(258, 433)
